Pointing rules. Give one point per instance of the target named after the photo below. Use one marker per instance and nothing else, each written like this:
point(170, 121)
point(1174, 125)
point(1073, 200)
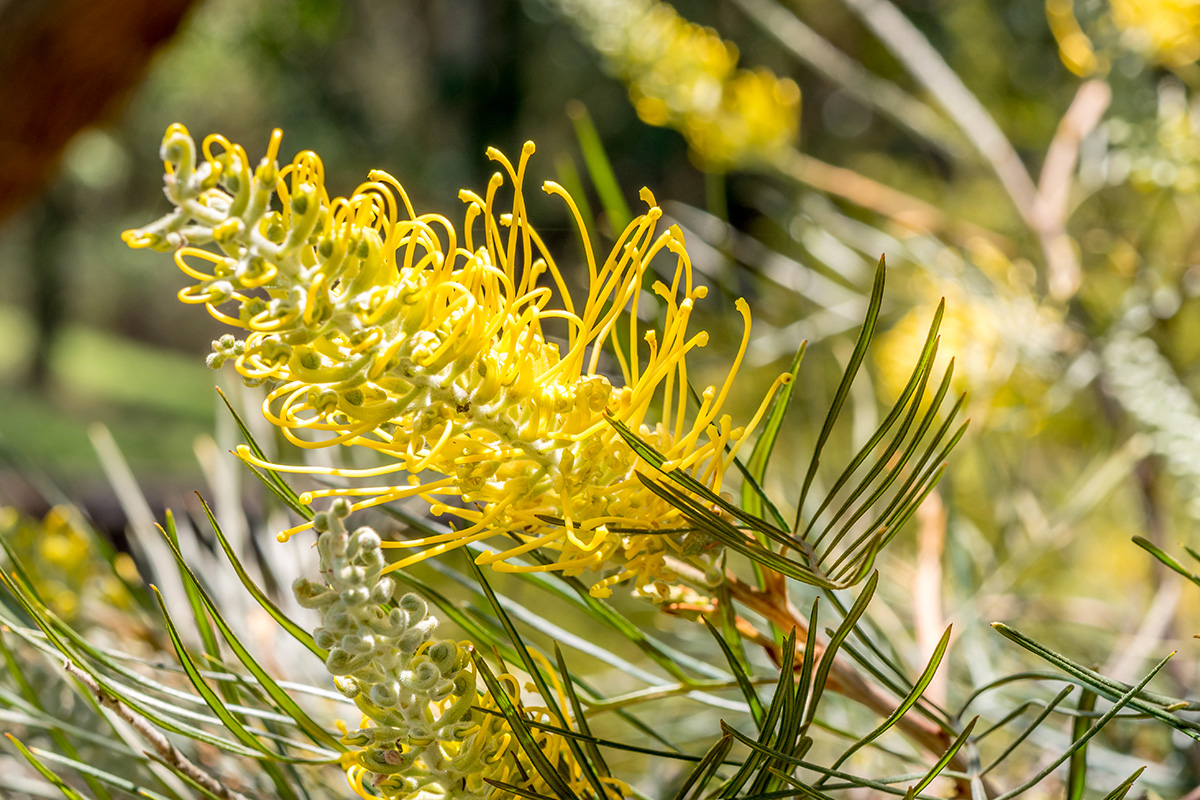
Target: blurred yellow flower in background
point(685, 76)
point(67, 562)
point(1001, 340)
point(1165, 32)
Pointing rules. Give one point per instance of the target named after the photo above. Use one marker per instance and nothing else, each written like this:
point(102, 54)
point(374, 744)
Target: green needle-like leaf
point(1123, 789)
point(945, 758)
point(694, 784)
point(52, 627)
point(913, 391)
point(520, 728)
point(208, 638)
point(744, 681)
point(843, 390)
point(1166, 559)
point(760, 456)
point(45, 771)
point(577, 713)
point(278, 486)
point(31, 697)
point(1077, 770)
point(99, 775)
point(286, 622)
point(835, 641)
point(1101, 685)
point(1082, 741)
point(907, 703)
point(227, 718)
point(599, 168)
point(549, 696)
point(278, 696)
point(781, 707)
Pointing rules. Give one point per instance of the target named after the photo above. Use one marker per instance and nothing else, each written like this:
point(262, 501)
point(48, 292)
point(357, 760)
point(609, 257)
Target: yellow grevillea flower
point(428, 731)
point(1167, 31)
point(685, 76)
point(68, 567)
point(491, 751)
point(382, 328)
point(1074, 47)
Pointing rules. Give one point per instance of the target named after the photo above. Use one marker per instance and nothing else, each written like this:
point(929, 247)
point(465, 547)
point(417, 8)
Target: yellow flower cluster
point(685, 76)
point(497, 753)
point(69, 571)
point(427, 731)
point(1165, 32)
point(378, 327)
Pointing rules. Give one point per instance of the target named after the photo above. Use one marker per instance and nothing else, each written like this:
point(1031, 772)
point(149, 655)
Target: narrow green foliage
point(569, 179)
point(843, 391)
point(15, 671)
point(697, 780)
point(1123, 789)
point(271, 479)
point(821, 676)
point(227, 718)
point(753, 501)
point(1147, 704)
point(1029, 729)
point(781, 706)
point(279, 697)
point(945, 759)
point(907, 703)
point(1077, 770)
point(520, 729)
point(208, 637)
point(1167, 560)
point(549, 696)
point(99, 776)
point(1082, 740)
point(67, 642)
point(745, 683)
point(286, 622)
point(45, 771)
point(906, 407)
point(595, 757)
point(599, 168)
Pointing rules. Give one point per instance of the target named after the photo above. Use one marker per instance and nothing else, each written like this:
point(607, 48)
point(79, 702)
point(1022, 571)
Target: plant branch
point(1058, 170)
point(928, 617)
point(879, 94)
point(845, 678)
point(914, 51)
point(897, 206)
point(165, 750)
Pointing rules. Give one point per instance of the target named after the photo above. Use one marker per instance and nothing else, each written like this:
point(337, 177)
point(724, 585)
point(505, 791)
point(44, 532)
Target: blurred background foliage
point(1071, 274)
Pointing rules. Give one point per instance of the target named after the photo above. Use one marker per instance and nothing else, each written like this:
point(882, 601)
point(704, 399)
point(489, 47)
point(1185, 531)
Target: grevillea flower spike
point(427, 732)
point(378, 327)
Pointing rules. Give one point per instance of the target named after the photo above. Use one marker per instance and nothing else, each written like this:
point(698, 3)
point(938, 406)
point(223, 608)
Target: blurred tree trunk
point(64, 65)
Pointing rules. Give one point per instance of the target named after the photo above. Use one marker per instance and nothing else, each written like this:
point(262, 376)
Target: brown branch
point(165, 750)
point(1054, 186)
point(928, 617)
point(900, 208)
point(913, 50)
point(846, 680)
